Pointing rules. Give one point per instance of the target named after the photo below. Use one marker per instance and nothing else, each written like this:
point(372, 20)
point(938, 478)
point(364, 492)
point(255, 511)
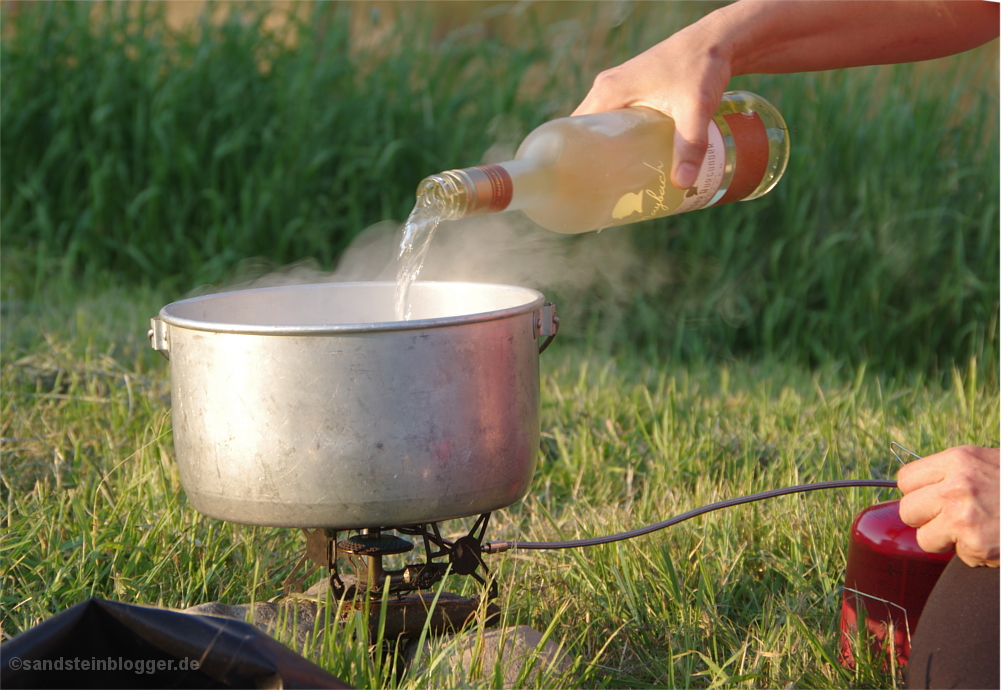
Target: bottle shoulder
point(611, 123)
point(547, 141)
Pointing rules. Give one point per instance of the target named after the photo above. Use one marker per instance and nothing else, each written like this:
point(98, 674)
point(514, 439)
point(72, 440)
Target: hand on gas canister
point(952, 497)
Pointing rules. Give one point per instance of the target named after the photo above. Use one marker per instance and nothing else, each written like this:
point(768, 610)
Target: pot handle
point(158, 339)
point(547, 325)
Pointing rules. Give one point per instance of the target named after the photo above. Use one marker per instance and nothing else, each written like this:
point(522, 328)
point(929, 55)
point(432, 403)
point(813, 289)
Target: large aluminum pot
point(310, 406)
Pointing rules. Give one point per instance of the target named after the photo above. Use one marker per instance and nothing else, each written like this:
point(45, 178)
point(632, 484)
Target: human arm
point(685, 75)
point(952, 498)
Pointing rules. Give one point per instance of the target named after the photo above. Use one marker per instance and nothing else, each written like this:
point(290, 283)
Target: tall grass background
point(179, 157)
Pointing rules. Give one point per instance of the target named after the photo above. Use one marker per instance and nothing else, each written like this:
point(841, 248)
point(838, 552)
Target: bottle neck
point(488, 188)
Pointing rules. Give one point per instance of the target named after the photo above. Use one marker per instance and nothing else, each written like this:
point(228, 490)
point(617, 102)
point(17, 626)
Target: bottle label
point(660, 199)
point(710, 175)
point(750, 150)
point(750, 144)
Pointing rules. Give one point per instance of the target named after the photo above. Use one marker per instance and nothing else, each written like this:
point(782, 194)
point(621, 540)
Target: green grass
point(93, 506)
point(711, 355)
point(178, 158)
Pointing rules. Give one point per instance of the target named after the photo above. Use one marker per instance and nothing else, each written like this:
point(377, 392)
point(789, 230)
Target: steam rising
point(505, 248)
point(579, 272)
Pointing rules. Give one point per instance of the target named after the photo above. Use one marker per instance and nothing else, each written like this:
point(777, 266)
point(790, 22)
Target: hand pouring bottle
point(590, 172)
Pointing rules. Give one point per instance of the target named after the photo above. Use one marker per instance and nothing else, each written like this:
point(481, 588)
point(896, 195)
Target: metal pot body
point(309, 406)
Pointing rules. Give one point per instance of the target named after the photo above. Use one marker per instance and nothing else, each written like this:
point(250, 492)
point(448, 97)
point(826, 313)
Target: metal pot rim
point(166, 316)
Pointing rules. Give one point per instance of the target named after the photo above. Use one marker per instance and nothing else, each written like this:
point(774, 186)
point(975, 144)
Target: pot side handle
point(547, 325)
point(158, 339)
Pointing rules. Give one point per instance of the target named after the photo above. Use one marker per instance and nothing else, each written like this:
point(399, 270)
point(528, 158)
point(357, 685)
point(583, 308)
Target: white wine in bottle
point(595, 171)
point(590, 172)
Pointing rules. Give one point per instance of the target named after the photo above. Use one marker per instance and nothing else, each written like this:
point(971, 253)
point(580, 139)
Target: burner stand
point(408, 604)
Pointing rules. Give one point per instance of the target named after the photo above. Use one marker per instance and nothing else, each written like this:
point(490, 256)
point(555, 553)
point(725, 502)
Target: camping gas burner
point(408, 605)
point(374, 544)
point(366, 550)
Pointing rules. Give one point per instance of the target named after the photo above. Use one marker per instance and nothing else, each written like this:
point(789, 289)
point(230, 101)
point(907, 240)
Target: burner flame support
point(366, 551)
point(410, 608)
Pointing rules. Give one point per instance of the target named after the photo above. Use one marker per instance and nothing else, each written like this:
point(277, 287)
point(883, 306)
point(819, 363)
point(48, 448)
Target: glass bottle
point(590, 172)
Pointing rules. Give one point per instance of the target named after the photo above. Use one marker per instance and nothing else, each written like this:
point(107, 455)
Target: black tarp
point(107, 644)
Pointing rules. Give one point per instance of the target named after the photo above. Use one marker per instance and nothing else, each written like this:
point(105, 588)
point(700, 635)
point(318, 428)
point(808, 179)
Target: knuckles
point(958, 503)
point(977, 552)
point(609, 80)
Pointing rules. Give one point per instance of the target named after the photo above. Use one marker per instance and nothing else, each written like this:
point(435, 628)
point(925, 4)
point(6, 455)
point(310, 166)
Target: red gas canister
point(888, 580)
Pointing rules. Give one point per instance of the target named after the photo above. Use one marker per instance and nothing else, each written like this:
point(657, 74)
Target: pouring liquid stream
point(434, 204)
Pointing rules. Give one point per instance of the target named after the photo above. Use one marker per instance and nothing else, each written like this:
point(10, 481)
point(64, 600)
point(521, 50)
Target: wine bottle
point(590, 172)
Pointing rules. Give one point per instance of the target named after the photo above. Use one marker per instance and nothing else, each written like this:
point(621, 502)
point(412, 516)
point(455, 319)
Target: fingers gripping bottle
point(590, 172)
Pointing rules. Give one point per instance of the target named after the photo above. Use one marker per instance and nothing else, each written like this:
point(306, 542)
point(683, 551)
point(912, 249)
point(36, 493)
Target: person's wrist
point(700, 48)
point(747, 33)
point(717, 37)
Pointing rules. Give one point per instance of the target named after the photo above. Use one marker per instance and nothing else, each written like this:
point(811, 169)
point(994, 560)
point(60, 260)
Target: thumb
point(691, 139)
